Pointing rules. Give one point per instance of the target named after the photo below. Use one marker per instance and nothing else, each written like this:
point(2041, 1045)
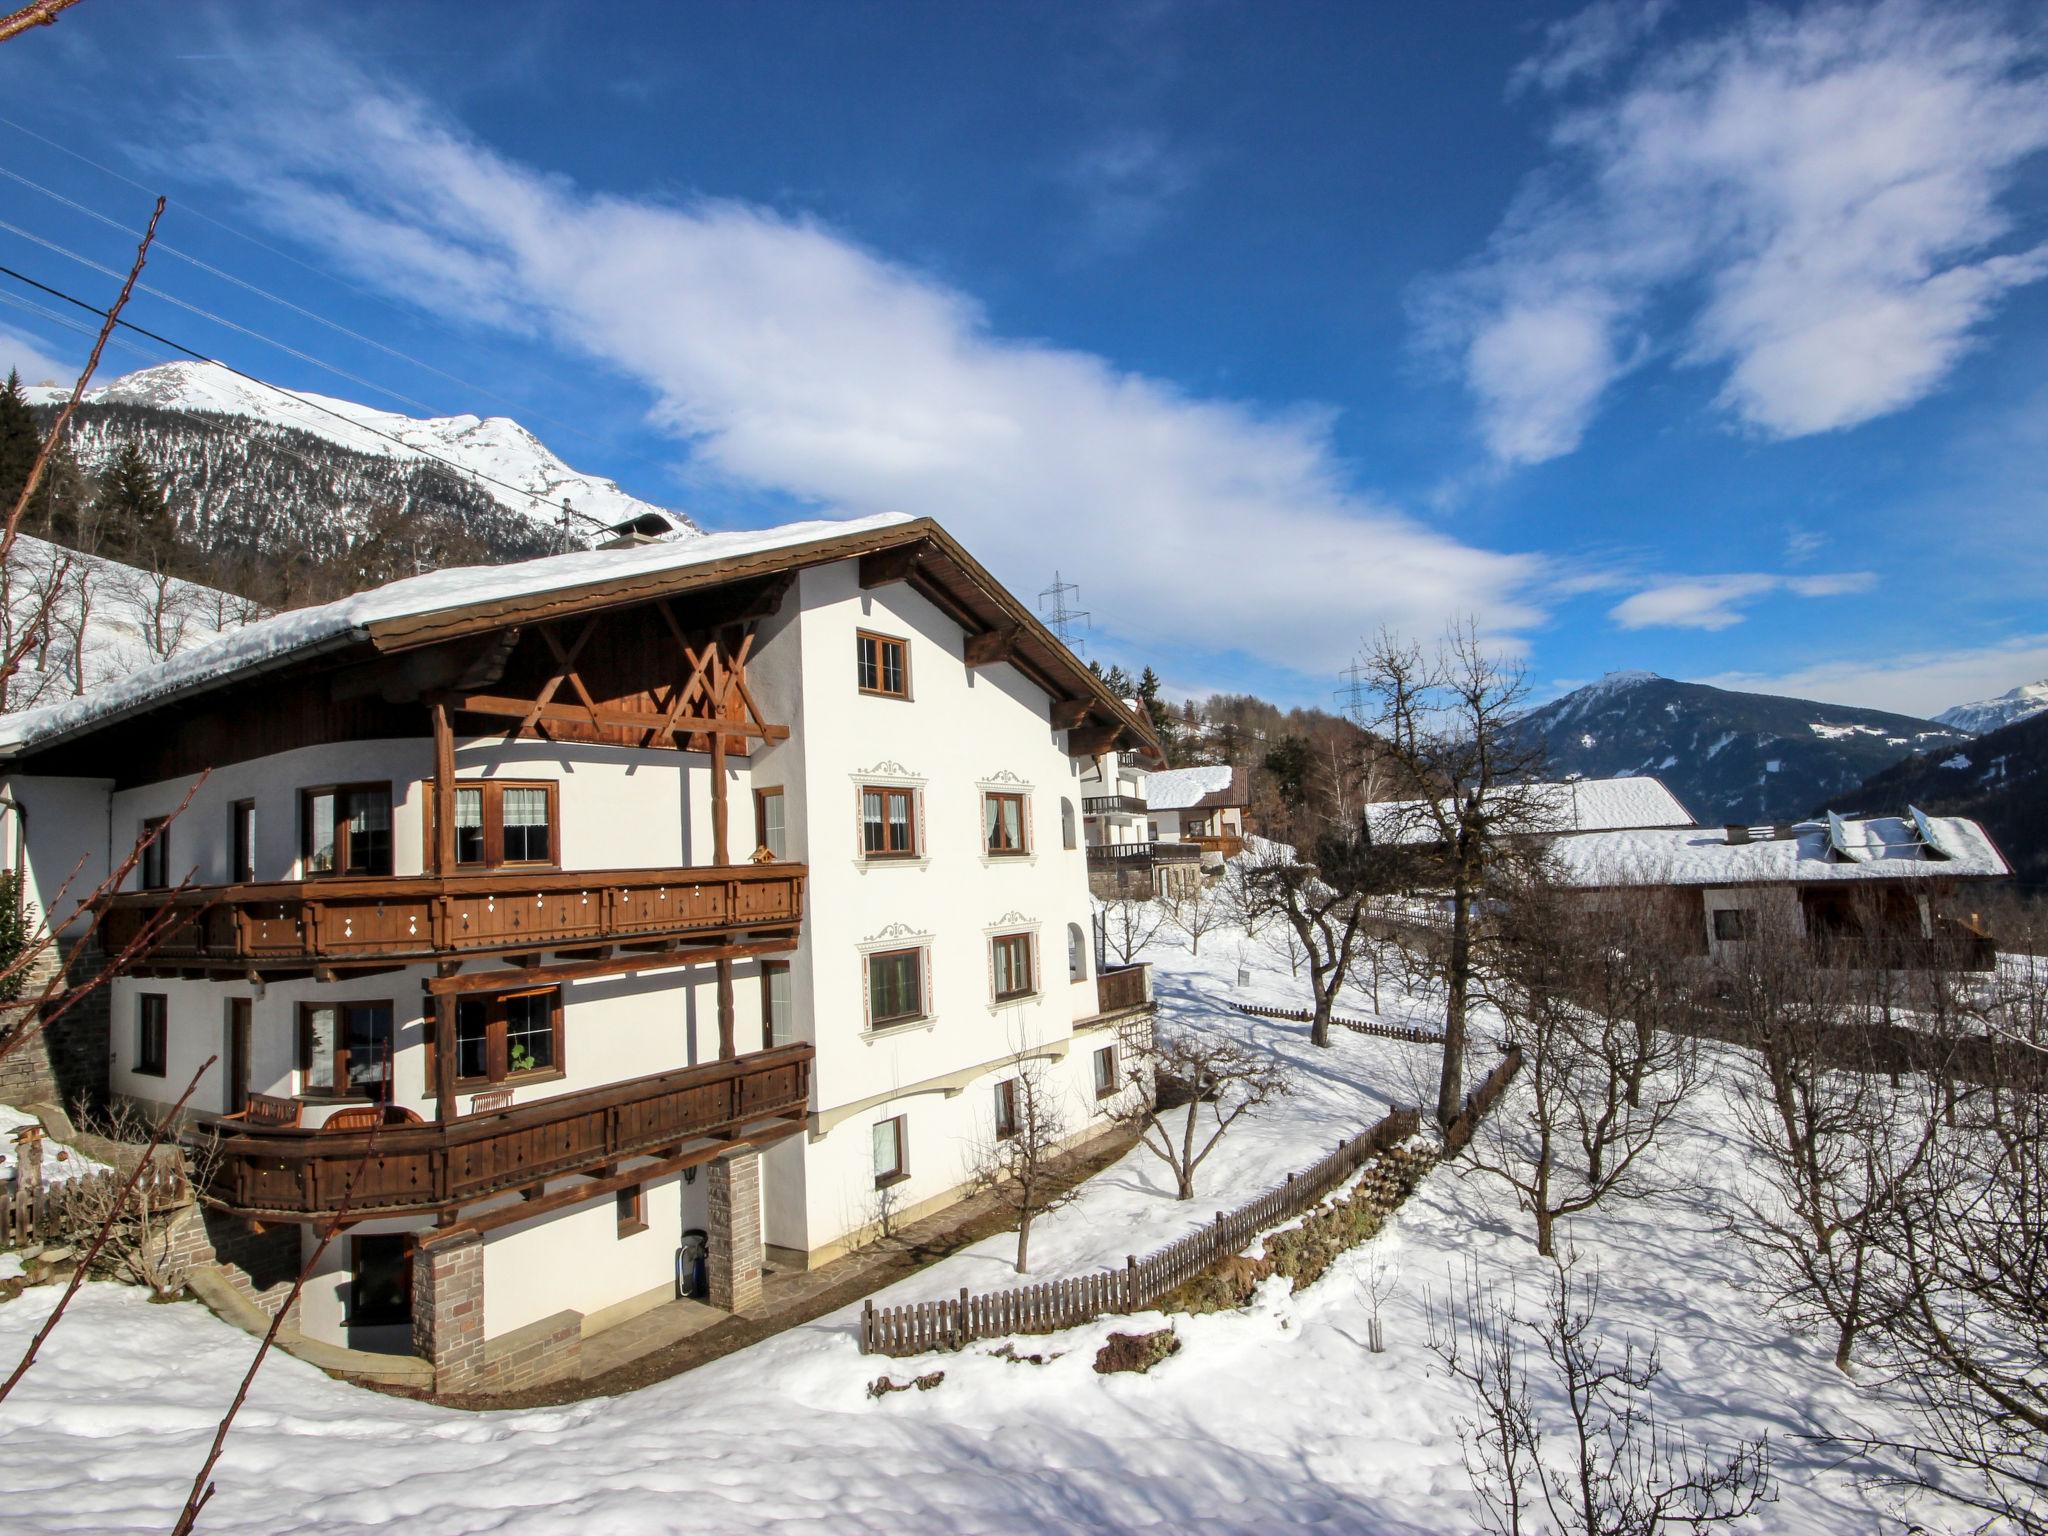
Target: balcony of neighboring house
point(386, 920)
point(1228, 844)
point(370, 1160)
point(1121, 993)
point(1147, 854)
point(1121, 807)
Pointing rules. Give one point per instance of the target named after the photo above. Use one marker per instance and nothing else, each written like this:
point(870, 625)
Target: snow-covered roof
point(1877, 848)
point(1576, 805)
point(1180, 789)
point(306, 631)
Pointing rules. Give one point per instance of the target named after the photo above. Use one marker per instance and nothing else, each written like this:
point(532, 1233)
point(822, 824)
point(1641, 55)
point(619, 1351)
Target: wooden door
point(238, 1054)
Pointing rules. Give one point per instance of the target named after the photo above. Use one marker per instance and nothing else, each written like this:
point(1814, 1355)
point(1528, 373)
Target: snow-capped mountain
point(2021, 703)
point(1728, 756)
point(235, 457)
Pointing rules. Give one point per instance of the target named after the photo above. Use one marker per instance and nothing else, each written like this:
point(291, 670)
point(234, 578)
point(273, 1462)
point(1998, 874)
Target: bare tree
point(133, 1229)
point(1129, 926)
point(1602, 1078)
point(1195, 910)
point(1324, 917)
point(1016, 1162)
point(164, 608)
point(1450, 746)
point(1610, 1465)
point(1192, 1073)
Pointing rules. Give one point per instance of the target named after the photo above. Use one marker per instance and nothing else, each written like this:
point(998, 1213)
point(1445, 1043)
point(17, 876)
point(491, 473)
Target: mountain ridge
point(2009, 708)
point(1728, 756)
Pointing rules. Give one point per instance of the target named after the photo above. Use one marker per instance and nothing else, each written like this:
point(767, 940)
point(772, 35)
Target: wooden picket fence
point(1400, 1032)
point(49, 1211)
point(917, 1327)
point(1458, 1134)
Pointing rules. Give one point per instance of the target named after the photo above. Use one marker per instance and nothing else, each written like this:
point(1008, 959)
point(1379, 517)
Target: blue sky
point(1701, 338)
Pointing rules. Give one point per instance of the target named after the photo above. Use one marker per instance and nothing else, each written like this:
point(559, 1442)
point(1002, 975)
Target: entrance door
point(238, 1054)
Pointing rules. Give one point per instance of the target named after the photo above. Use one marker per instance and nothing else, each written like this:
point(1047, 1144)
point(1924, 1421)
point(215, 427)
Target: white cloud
point(1915, 683)
point(793, 360)
point(1813, 205)
point(1716, 602)
point(25, 355)
point(1587, 44)
point(1130, 178)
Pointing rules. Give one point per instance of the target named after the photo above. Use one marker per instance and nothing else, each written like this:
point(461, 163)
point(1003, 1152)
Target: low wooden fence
point(57, 1207)
point(919, 1326)
point(1400, 1032)
point(1481, 1099)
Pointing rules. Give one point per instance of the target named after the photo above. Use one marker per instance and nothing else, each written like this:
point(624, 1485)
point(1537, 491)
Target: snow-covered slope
point(105, 621)
point(2021, 703)
point(534, 480)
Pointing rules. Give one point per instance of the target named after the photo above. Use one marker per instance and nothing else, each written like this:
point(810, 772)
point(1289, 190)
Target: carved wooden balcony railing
point(1122, 988)
point(400, 918)
point(291, 1173)
point(1229, 844)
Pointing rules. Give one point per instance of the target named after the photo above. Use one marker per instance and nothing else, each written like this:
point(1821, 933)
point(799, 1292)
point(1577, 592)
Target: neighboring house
point(1888, 892)
point(522, 896)
point(1203, 806)
point(1126, 856)
point(1571, 805)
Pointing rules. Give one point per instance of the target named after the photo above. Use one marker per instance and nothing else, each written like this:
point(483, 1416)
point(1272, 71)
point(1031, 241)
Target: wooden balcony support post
point(727, 1049)
point(444, 791)
point(444, 1056)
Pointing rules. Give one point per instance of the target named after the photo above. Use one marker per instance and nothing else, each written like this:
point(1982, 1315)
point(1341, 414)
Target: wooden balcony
point(1112, 855)
point(401, 919)
point(289, 1173)
point(1120, 991)
point(1113, 805)
point(1229, 844)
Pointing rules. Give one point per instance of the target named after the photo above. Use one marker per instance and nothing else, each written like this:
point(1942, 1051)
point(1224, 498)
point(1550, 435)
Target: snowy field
point(1273, 1418)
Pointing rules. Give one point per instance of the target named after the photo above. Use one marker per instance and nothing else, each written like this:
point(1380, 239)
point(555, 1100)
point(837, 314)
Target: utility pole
point(1060, 617)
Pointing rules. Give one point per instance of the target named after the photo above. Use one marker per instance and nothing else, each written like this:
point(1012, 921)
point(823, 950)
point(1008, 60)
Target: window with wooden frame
point(778, 1013)
point(895, 987)
point(506, 1037)
point(152, 1034)
point(890, 1152)
point(884, 664)
point(1005, 826)
point(154, 871)
point(1105, 1072)
point(502, 825)
point(345, 1050)
point(769, 830)
point(242, 842)
point(632, 1207)
point(1011, 966)
point(1006, 1109)
point(346, 829)
point(379, 1279)
point(888, 822)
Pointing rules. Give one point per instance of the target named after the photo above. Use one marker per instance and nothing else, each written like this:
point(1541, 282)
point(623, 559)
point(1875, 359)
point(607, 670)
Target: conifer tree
point(131, 512)
point(53, 512)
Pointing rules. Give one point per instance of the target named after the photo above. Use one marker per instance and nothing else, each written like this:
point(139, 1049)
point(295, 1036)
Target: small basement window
point(1731, 924)
point(1105, 1072)
point(891, 1165)
point(632, 1207)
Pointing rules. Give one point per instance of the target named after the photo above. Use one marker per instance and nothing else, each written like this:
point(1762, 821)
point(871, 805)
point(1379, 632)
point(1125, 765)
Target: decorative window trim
point(1007, 784)
point(889, 774)
point(1012, 925)
point(900, 944)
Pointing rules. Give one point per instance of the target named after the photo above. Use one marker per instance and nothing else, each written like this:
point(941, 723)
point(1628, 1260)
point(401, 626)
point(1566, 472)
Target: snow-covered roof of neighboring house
point(1915, 847)
point(421, 609)
point(1183, 789)
point(1575, 805)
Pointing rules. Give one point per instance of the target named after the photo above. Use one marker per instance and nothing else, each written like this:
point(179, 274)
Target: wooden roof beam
point(616, 965)
point(1068, 713)
point(1094, 740)
point(991, 646)
point(886, 567)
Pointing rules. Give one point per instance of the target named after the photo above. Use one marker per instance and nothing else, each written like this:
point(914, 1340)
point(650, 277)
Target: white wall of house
point(66, 857)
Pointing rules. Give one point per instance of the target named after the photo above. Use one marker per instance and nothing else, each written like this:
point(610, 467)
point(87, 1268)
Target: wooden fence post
point(1130, 1283)
point(961, 1334)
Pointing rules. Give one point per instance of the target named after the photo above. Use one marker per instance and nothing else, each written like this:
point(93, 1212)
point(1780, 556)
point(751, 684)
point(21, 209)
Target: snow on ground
point(59, 1161)
point(1273, 1418)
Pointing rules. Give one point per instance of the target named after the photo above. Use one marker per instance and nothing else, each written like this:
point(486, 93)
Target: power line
point(303, 401)
point(301, 310)
point(1352, 693)
point(1061, 618)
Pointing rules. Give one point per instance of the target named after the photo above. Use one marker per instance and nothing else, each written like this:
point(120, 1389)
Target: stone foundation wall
point(66, 1061)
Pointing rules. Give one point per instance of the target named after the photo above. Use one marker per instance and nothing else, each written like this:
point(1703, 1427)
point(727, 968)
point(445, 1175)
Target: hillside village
point(529, 1006)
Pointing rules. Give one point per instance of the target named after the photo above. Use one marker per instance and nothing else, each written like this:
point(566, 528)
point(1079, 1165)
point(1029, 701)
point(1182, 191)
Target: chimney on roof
point(647, 528)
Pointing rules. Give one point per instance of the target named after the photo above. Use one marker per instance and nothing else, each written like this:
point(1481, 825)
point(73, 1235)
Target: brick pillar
point(735, 1231)
point(448, 1311)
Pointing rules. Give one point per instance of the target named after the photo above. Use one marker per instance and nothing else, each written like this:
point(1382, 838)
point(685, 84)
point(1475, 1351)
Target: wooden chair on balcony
point(367, 1117)
point(271, 1112)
